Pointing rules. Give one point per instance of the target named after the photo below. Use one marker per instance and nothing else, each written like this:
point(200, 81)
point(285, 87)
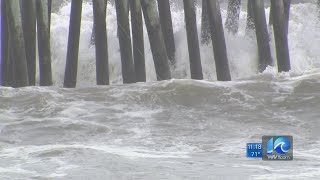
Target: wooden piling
point(4, 45)
point(157, 44)
point(70, 78)
point(262, 34)
point(205, 26)
point(92, 39)
point(287, 4)
point(29, 20)
point(138, 40)
point(250, 20)
point(128, 72)
point(270, 16)
point(218, 41)
point(232, 23)
point(17, 43)
point(44, 43)
point(12, 82)
point(193, 41)
point(49, 14)
point(167, 29)
point(281, 36)
point(102, 67)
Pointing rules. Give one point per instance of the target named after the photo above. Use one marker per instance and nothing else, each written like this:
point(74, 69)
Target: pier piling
point(262, 34)
point(137, 40)
point(29, 20)
point(128, 72)
point(4, 45)
point(287, 5)
point(70, 78)
point(44, 43)
point(270, 16)
point(49, 14)
point(17, 43)
point(101, 43)
point(11, 67)
point(167, 29)
point(218, 41)
point(193, 41)
point(156, 40)
point(280, 35)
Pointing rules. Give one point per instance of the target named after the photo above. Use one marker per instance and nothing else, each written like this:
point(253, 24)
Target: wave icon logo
point(281, 145)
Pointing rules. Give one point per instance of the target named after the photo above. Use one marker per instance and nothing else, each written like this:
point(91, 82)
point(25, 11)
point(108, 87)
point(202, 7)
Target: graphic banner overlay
point(277, 148)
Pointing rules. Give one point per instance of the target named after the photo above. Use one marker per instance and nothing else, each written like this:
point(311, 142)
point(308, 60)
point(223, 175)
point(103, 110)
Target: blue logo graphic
point(281, 145)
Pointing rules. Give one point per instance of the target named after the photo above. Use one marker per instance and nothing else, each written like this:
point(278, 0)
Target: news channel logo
point(277, 148)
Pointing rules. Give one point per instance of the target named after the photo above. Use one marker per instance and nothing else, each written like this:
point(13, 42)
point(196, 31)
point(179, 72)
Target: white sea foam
point(134, 152)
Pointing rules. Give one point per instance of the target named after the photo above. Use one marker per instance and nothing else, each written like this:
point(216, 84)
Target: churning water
point(176, 129)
